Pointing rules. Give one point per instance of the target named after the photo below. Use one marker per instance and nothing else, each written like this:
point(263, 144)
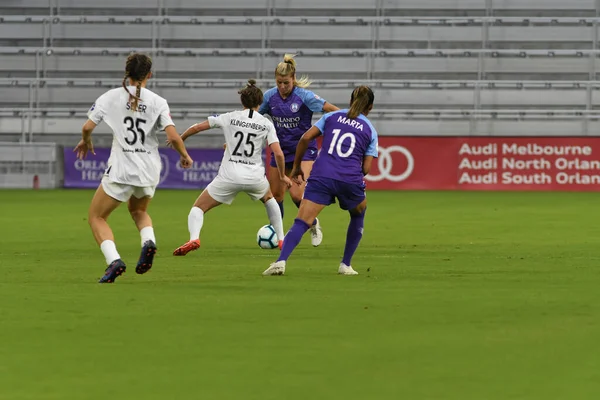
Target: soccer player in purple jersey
point(291, 107)
point(349, 145)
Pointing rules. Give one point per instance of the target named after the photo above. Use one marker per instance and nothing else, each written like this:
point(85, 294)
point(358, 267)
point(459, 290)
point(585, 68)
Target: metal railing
point(396, 113)
point(47, 49)
point(585, 112)
point(302, 20)
point(48, 36)
point(378, 6)
point(23, 165)
point(398, 117)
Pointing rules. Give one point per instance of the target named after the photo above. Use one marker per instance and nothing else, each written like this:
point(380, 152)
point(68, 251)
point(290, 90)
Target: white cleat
point(316, 234)
point(277, 268)
point(346, 270)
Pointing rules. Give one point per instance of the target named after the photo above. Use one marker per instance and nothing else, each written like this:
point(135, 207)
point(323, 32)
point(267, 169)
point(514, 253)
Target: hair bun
point(251, 82)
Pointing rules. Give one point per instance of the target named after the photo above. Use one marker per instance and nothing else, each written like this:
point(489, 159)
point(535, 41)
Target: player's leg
point(214, 195)
point(138, 209)
point(203, 204)
point(101, 207)
point(353, 199)
point(309, 210)
point(318, 194)
point(297, 193)
point(306, 214)
point(274, 215)
point(277, 187)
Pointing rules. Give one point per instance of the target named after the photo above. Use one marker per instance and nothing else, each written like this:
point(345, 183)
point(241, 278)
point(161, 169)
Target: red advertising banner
point(469, 163)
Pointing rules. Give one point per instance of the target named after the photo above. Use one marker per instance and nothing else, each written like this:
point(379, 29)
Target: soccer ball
point(267, 238)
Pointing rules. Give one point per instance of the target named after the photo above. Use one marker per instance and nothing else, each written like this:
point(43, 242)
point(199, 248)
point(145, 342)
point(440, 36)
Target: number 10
point(338, 148)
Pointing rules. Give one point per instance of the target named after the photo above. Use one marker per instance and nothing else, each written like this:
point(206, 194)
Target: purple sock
point(353, 236)
point(280, 204)
point(292, 238)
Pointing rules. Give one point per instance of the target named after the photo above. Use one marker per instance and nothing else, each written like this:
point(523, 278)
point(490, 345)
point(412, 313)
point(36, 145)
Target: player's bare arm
point(192, 130)
point(280, 161)
point(366, 165)
point(85, 145)
point(328, 107)
point(177, 143)
point(197, 128)
point(297, 175)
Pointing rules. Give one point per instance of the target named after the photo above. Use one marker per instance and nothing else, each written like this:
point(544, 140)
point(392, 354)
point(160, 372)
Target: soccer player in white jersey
point(247, 133)
point(134, 165)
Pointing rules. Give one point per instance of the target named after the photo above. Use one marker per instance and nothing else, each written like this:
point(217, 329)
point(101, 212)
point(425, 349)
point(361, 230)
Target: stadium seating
point(297, 32)
point(418, 54)
point(530, 8)
point(221, 94)
point(355, 48)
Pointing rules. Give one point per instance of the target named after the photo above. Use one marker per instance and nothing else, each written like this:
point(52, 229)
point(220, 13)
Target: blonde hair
point(361, 100)
point(288, 67)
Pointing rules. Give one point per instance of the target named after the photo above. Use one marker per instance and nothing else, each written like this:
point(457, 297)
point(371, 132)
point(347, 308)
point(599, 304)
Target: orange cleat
point(280, 244)
point(186, 248)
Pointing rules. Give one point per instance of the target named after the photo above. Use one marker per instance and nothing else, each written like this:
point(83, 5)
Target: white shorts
point(122, 192)
point(225, 191)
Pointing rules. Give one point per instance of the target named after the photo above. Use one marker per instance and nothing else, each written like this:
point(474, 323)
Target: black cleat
point(113, 271)
point(145, 262)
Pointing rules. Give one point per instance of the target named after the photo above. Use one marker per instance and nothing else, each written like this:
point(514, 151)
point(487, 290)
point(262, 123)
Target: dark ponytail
point(251, 96)
point(137, 68)
point(360, 102)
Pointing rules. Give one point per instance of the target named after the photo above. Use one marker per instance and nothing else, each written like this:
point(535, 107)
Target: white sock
point(195, 221)
point(147, 233)
point(109, 249)
point(274, 215)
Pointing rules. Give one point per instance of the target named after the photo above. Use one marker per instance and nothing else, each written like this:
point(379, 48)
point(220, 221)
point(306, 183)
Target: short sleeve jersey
point(134, 158)
point(247, 133)
point(346, 141)
point(291, 116)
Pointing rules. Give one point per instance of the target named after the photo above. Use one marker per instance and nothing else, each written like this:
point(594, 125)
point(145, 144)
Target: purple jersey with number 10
point(292, 117)
point(346, 141)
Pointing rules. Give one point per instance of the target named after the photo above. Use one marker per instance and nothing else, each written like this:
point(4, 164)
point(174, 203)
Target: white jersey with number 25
point(247, 133)
point(134, 158)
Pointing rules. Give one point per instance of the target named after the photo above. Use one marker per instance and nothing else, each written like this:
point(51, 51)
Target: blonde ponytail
point(287, 67)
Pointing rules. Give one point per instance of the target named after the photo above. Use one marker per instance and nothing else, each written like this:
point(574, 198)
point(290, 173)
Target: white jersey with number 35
point(134, 158)
point(247, 133)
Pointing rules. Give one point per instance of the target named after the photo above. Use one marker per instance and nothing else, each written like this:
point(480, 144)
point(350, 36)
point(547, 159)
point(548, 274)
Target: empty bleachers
point(418, 64)
point(417, 54)
point(350, 48)
point(299, 32)
point(446, 8)
point(187, 94)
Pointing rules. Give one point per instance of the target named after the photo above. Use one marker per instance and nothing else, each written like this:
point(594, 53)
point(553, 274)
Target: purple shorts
point(325, 190)
point(310, 155)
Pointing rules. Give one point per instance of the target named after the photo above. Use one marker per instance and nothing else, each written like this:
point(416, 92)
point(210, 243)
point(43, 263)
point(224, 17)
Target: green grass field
point(460, 296)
